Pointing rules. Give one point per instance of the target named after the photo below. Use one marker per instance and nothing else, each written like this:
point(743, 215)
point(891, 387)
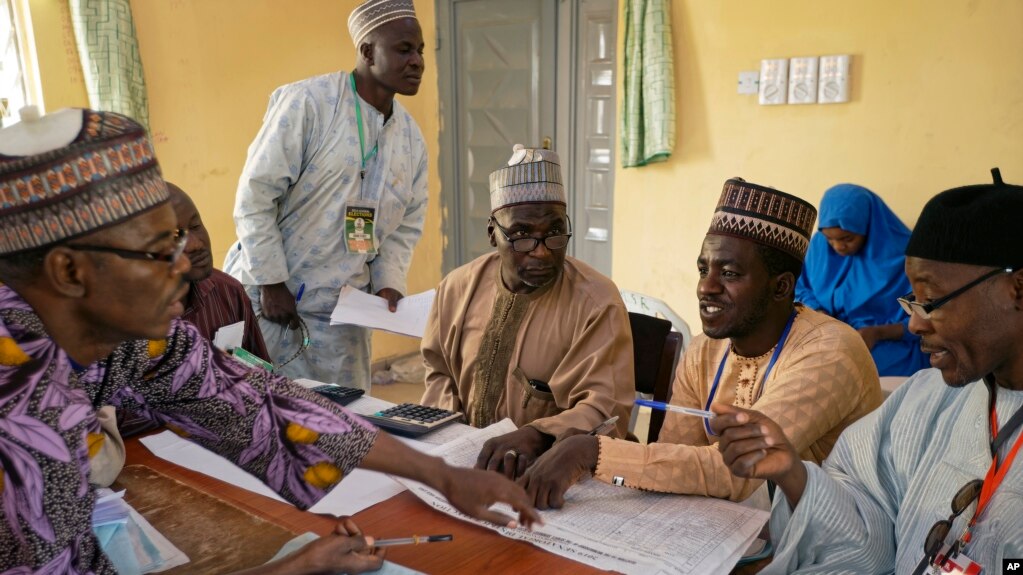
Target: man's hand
point(392, 296)
point(872, 334)
point(278, 304)
point(754, 446)
point(345, 550)
point(549, 478)
point(512, 453)
point(472, 492)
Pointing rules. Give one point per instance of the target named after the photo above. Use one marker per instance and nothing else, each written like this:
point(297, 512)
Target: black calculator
point(339, 393)
point(412, 420)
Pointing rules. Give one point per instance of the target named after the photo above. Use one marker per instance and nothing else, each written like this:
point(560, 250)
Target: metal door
point(526, 72)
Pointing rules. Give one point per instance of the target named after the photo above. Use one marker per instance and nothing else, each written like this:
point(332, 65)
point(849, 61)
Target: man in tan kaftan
point(527, 332)
point(811, 373)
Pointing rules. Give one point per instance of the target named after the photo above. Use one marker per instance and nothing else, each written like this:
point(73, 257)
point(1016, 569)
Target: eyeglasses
point(924, 310)
point(526, 245)
point(939, 531)
point(180, 239)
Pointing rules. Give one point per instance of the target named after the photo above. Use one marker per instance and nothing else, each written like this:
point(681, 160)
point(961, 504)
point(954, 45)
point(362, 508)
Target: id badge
point(359, 238)
point(958, 565)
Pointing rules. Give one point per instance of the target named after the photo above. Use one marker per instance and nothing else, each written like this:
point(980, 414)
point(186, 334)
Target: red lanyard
point(996, 472)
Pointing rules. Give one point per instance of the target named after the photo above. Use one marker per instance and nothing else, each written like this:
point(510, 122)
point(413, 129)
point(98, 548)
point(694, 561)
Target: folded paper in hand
point(360, 308)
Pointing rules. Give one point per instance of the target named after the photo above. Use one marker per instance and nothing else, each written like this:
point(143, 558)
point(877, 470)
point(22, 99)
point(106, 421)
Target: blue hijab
point(861, 289)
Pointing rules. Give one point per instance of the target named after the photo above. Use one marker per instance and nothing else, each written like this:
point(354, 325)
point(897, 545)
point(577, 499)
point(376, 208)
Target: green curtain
point(105, 33)
point(648, 121)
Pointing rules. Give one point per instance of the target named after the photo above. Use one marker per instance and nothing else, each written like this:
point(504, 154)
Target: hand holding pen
point(345, 550)
point(278, 305)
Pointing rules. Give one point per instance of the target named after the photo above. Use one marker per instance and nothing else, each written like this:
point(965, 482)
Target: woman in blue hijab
point(854, 271)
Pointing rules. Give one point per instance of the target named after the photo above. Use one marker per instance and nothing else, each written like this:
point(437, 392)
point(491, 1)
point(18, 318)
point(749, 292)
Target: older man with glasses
point(881, 502)
point(528, 332)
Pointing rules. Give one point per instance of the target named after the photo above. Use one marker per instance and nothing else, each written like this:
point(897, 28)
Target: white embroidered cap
point(532, 176)
point(373, 14)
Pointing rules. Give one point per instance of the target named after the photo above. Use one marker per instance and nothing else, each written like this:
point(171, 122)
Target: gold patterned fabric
point(495, 352)
point(823, 381)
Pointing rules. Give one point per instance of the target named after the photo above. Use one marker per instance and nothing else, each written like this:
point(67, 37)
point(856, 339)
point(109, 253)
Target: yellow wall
point(935, 103)
point(60, 72)
point(210, 67)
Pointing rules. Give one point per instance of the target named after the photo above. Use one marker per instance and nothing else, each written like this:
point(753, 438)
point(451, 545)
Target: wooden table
point(474, 549)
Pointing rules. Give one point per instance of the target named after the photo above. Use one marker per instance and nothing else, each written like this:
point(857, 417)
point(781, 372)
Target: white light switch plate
point(774, 76)
point(803, 80)
point(833, 81)
point(749, 82)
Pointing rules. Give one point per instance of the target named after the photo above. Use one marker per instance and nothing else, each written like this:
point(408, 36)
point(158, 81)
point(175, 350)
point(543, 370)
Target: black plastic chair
point(655, 350)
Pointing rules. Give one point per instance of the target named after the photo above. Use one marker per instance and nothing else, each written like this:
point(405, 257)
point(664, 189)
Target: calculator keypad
point(412, 419)
point(339, 394)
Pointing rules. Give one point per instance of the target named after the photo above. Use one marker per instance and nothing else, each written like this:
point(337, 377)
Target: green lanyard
point(362, 140)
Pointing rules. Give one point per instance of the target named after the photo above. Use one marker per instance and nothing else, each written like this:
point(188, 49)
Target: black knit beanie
point(978, 225)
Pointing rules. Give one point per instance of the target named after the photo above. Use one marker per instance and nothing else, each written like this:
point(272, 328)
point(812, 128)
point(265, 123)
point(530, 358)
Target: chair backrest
point(639, 303)
point(655, 350)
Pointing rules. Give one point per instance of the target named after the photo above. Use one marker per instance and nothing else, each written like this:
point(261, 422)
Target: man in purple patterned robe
point(90, 259)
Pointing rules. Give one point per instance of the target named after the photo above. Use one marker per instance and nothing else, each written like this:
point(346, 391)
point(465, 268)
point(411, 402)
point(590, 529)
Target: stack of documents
point(619, 529)
point(360, 308)
point(110, 509)
point(608, 527)
point(133, 545)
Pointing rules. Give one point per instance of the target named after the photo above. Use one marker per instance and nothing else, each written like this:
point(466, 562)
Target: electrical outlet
point(749, 82)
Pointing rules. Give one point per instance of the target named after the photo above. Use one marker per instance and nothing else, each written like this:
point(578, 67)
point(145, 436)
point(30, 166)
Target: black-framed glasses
point(961, 501)
point(526, 245)
point(180, 239)
point(924, 310)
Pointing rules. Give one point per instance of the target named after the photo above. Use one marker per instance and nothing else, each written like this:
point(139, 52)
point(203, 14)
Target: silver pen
point(608, 425)
point(414, 540)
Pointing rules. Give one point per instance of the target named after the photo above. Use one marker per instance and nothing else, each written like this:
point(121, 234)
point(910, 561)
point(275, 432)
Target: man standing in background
point(334, 149)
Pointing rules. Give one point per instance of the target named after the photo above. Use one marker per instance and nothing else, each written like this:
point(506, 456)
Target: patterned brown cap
point(108, 174)
point(764, 215)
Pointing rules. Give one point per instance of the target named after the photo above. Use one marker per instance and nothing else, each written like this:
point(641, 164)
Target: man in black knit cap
point(945, 442)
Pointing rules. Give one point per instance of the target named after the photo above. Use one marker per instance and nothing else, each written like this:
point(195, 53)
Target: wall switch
point(833, 81)
point(749, 82)
point(803, 80)
point(774, 76)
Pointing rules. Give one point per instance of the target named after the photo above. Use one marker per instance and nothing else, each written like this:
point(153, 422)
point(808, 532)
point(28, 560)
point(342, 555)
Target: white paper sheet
point(622, 529)
point(230, 336)
point(360, 308)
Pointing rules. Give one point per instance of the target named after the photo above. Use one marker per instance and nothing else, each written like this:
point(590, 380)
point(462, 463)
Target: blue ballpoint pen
point(676, 408)
point(301, 290)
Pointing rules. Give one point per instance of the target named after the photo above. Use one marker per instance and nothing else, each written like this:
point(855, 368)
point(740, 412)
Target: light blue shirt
point(892, 475)
point(302, 171)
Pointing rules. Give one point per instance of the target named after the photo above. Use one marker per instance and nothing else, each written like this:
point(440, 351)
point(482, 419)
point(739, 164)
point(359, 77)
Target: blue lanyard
point(763, 382)
point(363, 156)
